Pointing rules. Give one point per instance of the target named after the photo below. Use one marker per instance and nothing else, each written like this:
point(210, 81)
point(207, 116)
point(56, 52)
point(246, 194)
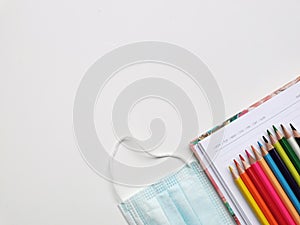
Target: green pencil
point(288, 149)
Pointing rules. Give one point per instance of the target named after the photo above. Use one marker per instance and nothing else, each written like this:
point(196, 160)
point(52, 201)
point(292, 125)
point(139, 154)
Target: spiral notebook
point(216, 149)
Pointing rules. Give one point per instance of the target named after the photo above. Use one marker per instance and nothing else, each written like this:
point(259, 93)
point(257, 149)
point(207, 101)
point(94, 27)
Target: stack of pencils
point(270, 179)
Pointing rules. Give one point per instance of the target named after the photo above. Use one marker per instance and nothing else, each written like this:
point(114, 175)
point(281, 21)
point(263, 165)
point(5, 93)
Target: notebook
point(216, 149)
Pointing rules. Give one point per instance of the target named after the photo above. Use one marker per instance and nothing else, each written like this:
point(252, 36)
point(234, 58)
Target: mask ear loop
point(116, 149)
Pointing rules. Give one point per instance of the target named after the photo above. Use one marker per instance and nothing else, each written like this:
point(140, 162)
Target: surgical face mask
point(185, 197)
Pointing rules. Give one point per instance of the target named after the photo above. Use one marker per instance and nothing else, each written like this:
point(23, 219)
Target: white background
point(251, 47)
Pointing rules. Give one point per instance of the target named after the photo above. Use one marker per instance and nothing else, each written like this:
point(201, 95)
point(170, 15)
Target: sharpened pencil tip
point(265, 139)
point(241, 157)
point(269, 133)
point(247, 153)
point(234, 175)
point(250, 157)
point(293, 128)
point(274, 128)
point(259, 144)
point(235, 162)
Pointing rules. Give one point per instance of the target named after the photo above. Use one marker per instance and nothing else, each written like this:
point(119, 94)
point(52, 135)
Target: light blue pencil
point(280, 178)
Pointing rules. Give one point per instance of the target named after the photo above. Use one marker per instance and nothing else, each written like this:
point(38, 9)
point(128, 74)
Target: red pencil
point(267, 191)
point(264, 208)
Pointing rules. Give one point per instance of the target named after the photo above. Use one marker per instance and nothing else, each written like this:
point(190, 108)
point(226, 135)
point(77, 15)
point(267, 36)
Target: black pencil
point(282, 167)
point(288, 149)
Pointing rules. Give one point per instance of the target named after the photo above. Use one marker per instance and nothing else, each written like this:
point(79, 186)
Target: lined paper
point(237, 136)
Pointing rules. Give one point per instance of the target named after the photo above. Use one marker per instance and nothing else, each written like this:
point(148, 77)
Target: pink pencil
point(286, 217)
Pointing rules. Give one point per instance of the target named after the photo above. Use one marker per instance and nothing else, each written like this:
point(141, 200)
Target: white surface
point(251, 48)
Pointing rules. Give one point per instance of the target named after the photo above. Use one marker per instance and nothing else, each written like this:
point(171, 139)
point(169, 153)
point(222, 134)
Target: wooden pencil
point(268, 188)
point(288, 149)
point(279, 190)
point(249, 198)
point(283, 168)
point(264, 193)
point(284, 157)
point(279, 210)
point(280, 177)
point(291, 140)
point(297, 139)
point(254, 192)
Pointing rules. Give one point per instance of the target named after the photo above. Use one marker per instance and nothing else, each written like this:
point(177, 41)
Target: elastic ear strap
point(116, 149)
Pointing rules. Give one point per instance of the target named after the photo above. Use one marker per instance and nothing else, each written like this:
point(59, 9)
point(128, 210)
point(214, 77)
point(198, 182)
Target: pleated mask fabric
point(184, 197)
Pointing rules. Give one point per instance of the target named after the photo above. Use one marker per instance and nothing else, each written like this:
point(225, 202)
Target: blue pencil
point(280, 177)
point(283, 169)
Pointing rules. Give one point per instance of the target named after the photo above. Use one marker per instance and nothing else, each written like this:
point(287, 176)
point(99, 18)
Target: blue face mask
point(185, 197)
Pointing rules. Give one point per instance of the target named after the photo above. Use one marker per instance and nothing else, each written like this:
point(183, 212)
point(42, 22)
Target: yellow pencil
point(247, 195)
point(284, 157)
point(281, 193)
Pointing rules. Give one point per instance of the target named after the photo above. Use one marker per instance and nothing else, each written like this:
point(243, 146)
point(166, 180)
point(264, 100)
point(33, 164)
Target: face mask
point(185, 197)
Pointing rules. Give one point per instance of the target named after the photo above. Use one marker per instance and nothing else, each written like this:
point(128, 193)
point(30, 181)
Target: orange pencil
point(248, 197)
point(281, 193)
point(260, 202)
point(270, 195)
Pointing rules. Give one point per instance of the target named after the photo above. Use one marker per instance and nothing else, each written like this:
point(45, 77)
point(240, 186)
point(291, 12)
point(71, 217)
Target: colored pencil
point(284, 157)
point(297, 139)
point(288, 149)
point(249, 198)
point(282, 167)
point(270, 189)
point(259, 200)
point(268, 193)
point(264, 193)
point(279, 190)
point(280, 177)
point(291, 140)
